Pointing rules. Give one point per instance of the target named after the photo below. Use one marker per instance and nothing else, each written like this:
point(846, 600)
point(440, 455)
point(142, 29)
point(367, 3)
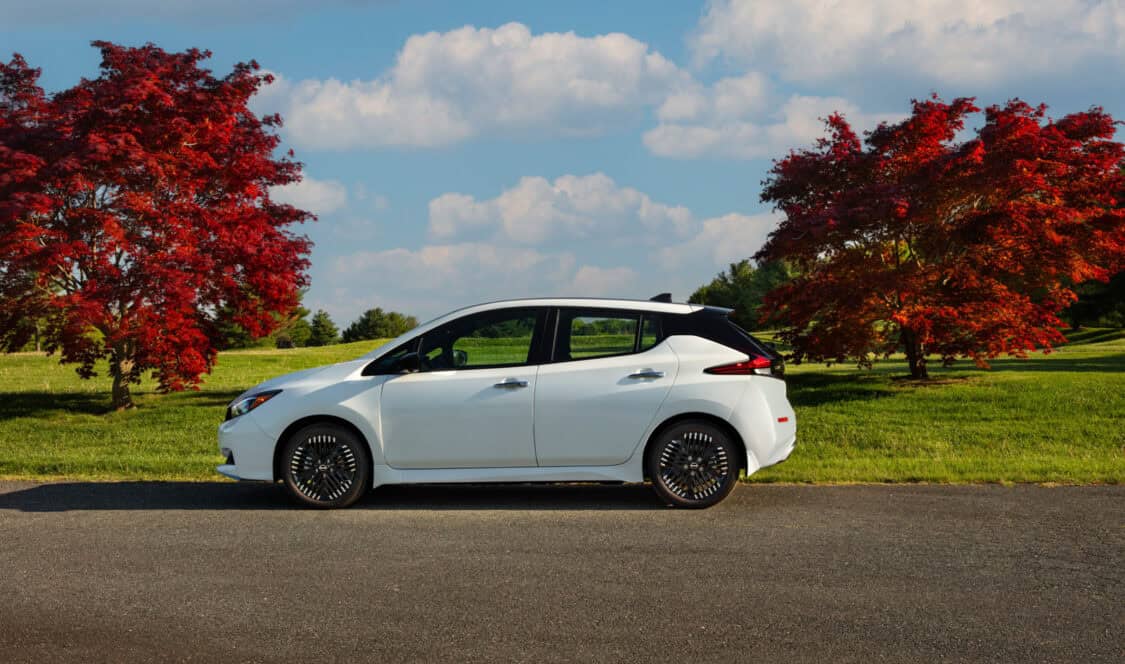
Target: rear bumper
point(766, 421)
point(782, 453)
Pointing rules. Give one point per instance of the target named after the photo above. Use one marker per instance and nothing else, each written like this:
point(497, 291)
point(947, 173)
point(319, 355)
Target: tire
point(693, 464)
point(325, 466)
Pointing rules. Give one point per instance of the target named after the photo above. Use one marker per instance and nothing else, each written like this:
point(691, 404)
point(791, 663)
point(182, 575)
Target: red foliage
point(135, 206)
point(912, 240)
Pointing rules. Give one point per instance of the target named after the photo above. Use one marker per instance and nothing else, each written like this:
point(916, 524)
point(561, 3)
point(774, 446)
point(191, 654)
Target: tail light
point(752, 366)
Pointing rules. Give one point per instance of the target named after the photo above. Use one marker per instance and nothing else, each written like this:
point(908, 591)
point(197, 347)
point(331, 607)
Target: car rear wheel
point(693, 464)
point(325, 466)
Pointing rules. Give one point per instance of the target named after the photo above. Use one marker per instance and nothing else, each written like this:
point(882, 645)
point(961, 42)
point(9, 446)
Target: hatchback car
point(543, 390)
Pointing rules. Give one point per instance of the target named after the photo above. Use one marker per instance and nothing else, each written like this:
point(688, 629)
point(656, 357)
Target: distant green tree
point(379, 324)
point(1099, 304)
point(742, 287)
point(229, 334)
point(323, 331)
point(294, 330)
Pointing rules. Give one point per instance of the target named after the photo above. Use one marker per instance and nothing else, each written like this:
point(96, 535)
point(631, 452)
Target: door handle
point(647, 373)
point(509, 383)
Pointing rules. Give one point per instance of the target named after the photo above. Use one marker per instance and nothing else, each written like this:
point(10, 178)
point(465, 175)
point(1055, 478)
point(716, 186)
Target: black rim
point(323, 467)
point(694, 465)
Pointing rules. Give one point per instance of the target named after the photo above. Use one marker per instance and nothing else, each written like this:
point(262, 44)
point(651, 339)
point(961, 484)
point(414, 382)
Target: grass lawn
point(1055, 418)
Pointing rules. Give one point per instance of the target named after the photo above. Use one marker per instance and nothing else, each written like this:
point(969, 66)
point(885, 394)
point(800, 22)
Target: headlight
point(249, 403)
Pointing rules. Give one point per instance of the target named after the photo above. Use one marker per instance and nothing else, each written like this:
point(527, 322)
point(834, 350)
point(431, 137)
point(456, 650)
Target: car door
point(470, 403)
point(600, 393)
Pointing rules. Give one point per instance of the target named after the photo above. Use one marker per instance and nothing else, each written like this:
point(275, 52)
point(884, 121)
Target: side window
point(650, 332)
point(390, 363)
point(586, 334)
point(489, 339)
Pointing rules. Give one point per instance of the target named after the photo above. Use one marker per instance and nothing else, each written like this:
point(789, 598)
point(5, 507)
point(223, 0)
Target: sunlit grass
point(1055, 418)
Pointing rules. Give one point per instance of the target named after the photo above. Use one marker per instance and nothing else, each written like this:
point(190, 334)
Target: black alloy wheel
point(326, 466)
point(693, 464)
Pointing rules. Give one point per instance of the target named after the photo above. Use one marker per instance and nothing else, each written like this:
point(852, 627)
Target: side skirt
point(626, 472)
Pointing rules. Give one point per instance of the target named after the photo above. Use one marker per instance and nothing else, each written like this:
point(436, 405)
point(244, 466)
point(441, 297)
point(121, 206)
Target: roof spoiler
point(663, 297)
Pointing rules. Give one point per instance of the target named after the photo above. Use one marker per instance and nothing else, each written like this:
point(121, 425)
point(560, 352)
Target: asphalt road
point(181, 571)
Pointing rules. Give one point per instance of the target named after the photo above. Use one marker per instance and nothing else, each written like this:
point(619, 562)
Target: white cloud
point(591, 281)
point(728, 98)
point(716, 122)
point(317, 196)
point(451, 86)
point(720, 241)
point(950, 41)
point(455, 269)
point(572, 207)
point(436, 278)
point(547, 237)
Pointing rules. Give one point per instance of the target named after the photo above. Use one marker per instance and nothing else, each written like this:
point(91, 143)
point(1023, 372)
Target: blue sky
point(458, 152)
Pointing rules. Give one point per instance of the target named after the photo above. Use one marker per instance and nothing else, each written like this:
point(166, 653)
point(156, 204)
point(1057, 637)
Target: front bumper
point(249, 450)
point(230, 470)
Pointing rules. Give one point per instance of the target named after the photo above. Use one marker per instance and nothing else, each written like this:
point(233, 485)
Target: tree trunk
point(121, 368)
point(915, 355)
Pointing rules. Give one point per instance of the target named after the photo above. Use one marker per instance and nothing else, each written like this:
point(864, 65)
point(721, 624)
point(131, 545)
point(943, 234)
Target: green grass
point(1058, 418)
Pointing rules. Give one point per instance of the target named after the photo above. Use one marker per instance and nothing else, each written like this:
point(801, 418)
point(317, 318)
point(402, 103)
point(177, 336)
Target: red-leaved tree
point(912, 240)
point(135, 207)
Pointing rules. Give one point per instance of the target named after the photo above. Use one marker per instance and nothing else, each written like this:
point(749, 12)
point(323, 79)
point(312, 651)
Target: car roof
point(596, 302)
point(584, 302)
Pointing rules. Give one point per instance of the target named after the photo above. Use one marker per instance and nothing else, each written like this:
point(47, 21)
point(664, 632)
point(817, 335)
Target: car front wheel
point(325, 466)
point(693, 464)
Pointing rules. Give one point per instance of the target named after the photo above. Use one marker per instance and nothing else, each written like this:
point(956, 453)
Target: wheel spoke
point(693, 466)
point(323, 467)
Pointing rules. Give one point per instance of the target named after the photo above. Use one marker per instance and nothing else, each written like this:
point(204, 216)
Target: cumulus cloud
point(446, 87)
point(549, 237)
point(571, 207)
point(317, 196)
point(435, 278)
point(720, 241)
point(950, 41)
point(714, 123)
point(591, 281)
point(456, 269)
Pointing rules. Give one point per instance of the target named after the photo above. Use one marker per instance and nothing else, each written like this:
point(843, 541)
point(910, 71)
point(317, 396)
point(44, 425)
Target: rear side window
point(599, 335)
point(584, 334)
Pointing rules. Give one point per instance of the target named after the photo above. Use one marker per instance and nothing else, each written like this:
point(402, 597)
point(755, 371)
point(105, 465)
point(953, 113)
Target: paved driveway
point(776, 573)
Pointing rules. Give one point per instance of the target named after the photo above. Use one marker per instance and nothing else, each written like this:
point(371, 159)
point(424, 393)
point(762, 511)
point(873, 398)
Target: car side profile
point(536, 390)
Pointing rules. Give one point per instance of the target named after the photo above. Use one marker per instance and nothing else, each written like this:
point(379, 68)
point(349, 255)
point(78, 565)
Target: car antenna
point(663, 297)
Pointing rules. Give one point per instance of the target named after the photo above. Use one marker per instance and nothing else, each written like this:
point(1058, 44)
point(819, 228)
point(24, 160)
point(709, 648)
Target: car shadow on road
point(73, 496)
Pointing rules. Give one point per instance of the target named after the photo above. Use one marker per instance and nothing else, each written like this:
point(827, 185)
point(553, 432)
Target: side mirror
point(408, 364)
point(460, 358)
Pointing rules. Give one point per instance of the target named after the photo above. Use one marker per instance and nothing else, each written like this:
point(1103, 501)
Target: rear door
point(608, 376)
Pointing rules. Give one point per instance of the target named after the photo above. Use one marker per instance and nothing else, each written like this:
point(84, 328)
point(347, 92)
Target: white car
point(542, 390)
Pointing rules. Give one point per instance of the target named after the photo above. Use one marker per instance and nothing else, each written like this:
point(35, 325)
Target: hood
point(330, 373)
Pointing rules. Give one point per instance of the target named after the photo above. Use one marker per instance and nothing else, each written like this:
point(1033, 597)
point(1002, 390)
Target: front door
point(470, 405)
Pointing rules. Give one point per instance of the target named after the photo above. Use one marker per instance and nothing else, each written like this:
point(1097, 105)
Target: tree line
point(300, 329)
point(137, 228)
